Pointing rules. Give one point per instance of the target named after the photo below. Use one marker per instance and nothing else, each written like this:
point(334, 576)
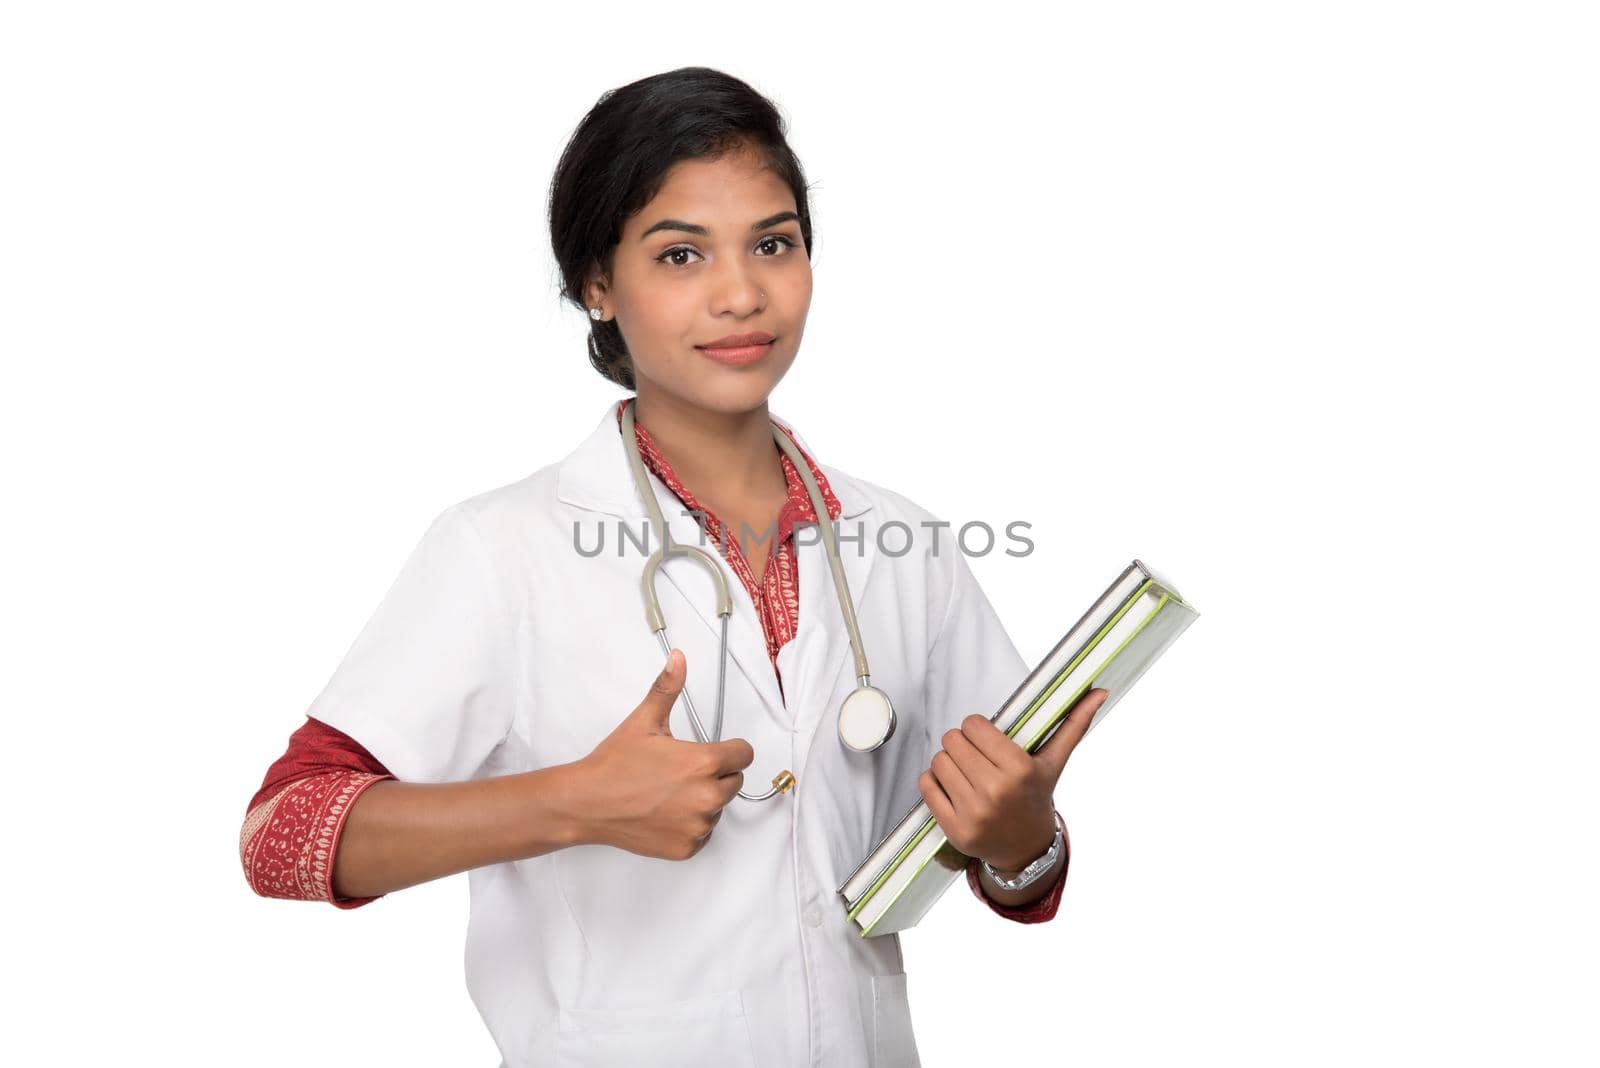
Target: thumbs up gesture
point(653, 794)
point(991, 797)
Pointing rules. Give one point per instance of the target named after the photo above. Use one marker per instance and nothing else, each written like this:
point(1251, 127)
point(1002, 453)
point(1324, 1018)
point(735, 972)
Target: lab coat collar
point(595, 476)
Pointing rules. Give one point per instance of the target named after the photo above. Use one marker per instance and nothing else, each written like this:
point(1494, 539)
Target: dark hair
point(617, 161)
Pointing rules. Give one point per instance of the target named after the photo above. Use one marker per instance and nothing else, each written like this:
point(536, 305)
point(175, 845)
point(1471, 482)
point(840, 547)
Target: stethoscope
point(866, 718)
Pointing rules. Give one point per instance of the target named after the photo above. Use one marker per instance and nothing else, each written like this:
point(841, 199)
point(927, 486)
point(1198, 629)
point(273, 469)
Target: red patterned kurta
point(292, 826)
point(776, 592)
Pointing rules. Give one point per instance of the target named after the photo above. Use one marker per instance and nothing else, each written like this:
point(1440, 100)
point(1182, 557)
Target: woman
point(505, 711)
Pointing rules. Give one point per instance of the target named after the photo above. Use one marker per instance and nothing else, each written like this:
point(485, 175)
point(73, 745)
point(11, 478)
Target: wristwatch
point(1033, 871)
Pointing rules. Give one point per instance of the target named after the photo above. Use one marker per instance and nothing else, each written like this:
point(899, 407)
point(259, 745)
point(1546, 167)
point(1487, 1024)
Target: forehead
point(734, 190)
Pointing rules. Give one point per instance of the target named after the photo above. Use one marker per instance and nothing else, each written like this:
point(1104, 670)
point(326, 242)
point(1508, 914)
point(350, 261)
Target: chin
point(727, 391)
point(732, 394)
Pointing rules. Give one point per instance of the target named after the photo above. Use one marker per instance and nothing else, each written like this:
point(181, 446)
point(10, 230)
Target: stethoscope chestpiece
point(866, 719)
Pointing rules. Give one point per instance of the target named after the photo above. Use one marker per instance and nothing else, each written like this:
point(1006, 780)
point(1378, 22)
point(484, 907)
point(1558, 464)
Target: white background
point(1321, 278)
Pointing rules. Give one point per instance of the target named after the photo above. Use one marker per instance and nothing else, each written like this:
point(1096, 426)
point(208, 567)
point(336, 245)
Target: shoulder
point(884, 504)
point(510, 507)
point(498, 531)
point(907, 534)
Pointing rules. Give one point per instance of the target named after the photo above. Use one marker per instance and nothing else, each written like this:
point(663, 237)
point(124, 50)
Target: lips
point(739, 341)
point(738, 350)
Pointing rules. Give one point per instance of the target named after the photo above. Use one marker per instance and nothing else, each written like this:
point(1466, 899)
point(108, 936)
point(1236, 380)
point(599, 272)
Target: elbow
point(287, 842)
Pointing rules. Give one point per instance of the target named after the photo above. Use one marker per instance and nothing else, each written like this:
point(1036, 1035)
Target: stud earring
point(594, 313)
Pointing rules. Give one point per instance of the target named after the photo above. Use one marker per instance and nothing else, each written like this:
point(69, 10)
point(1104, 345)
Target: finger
point(969, 758)
point(956, 785)
point(1054, 753)
point(655, 711)
point(938, 802)
point(731, 785)
point(733, 754)
point(992, 742)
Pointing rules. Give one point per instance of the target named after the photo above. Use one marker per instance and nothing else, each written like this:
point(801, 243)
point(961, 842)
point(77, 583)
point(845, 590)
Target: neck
point(716, 454)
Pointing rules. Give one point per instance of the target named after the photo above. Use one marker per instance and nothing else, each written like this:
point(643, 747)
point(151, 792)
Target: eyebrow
point(692, 228)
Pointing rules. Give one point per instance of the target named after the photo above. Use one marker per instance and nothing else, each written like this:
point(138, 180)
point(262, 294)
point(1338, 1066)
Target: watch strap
point(1030, 874)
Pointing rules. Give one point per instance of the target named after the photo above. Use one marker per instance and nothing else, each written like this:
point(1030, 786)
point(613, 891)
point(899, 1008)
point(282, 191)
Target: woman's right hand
point(653, 794)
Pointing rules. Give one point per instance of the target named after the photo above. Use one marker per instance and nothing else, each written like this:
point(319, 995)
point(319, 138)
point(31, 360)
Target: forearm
point(399, 834)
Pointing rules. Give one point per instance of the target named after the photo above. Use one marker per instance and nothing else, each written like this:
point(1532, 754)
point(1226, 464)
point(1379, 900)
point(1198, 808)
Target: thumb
point(655, 710)
point(1054, 753)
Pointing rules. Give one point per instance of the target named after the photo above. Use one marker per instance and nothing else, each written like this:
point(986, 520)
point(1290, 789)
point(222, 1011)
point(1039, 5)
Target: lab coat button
point(813, 918)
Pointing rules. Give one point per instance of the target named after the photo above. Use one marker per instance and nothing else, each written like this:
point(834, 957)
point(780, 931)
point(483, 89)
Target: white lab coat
point(500, 649)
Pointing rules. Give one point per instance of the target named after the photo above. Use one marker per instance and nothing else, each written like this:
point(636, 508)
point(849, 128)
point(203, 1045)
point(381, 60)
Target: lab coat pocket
point(893, 1045)
point(691, 1033)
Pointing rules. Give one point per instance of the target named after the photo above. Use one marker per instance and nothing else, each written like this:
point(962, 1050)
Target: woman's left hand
point(992, 798)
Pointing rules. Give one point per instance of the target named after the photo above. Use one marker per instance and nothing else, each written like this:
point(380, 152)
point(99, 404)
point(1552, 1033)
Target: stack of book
point(1120, 636)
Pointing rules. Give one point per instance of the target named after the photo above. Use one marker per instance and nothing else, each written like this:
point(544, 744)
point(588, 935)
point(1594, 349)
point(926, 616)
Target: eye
point(676, 250)
point(780, 238)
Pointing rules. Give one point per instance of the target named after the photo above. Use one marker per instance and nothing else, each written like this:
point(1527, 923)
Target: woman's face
point(717, 253)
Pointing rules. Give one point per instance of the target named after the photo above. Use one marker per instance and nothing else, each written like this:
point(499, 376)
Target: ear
point(595, 290)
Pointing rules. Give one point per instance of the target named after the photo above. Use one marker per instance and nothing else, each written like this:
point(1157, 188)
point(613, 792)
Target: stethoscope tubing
point(666, 547)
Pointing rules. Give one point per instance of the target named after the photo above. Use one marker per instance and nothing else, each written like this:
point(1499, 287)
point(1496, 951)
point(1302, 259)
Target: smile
point(739, 351)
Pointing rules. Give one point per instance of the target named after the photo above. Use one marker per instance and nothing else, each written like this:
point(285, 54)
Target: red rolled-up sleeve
point(292, 825)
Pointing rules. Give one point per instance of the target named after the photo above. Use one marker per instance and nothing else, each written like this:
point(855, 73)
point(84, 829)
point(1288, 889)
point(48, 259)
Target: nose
point(735, 290)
